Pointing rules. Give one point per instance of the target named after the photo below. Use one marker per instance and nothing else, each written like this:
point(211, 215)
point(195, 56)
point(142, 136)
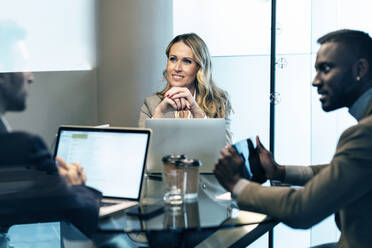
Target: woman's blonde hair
point(211, 99)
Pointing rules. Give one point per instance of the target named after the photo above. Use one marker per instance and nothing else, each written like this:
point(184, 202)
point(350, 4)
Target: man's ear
point(360, 69)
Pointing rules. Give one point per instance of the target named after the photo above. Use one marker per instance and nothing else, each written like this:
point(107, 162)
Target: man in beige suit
point(344, 186)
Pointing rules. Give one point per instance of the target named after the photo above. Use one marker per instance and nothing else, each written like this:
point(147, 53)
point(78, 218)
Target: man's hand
point(266, 162)
point(72, 173)
point(229, 168)
point(255, 164)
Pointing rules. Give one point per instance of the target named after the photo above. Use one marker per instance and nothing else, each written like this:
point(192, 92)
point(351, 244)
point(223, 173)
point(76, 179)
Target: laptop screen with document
point(113, 158)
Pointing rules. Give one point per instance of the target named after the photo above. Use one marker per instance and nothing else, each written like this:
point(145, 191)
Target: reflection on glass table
point(201, 217)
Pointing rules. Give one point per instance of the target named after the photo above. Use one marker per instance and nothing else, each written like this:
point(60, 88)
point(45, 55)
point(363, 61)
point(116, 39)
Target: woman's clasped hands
point(179, 99)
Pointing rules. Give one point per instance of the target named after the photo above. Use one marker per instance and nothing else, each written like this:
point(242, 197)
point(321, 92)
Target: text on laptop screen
point(112, 161)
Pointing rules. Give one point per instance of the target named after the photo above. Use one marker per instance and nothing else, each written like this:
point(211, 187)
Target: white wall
point(133, 38)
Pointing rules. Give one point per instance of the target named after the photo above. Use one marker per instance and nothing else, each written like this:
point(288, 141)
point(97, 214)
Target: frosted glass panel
point(229, 27)
point(325, 232)
point(331, 15)
point(247, 80)
point(292, 113)
point(287, 237)
point(293, 26)
point(292, 130)
point(355, 14)
point(44, 35)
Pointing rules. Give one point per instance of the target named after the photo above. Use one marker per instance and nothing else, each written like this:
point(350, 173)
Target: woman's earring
point(357, 78)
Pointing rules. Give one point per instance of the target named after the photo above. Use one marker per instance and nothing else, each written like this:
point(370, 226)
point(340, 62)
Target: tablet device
point(253, 172)
point(241, 148)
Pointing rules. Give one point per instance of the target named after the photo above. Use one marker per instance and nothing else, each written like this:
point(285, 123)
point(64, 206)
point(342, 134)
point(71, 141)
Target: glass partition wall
point(50, 35)
point(238, 35)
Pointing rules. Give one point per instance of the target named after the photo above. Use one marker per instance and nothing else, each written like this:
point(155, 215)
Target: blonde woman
point(190, 91)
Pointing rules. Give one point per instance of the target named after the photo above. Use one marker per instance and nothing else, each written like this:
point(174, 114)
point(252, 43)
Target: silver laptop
point(201, 139)
point(113, 160)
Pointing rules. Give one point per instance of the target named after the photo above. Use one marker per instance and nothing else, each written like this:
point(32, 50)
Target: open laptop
point(200, 139)
point(113, 159)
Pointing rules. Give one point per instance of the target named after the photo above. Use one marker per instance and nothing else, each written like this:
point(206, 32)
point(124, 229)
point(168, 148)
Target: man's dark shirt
point(36, 192)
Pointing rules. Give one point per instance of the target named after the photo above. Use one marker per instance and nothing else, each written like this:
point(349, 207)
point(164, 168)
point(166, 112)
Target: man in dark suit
point(46, 189)
point(344, 186)
point(55, 190)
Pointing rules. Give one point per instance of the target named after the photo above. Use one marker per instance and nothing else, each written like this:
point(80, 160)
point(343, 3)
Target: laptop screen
point(113, 159)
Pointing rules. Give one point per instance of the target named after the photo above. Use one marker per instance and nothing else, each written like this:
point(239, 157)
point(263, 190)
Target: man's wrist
point(239, 187)
point(279, 173)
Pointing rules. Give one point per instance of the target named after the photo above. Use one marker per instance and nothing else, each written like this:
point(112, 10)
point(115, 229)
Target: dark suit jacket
point(343, 186)
point(32, 191)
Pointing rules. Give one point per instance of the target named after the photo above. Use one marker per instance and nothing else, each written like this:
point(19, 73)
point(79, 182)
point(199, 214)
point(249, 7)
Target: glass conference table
point(213, 220)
